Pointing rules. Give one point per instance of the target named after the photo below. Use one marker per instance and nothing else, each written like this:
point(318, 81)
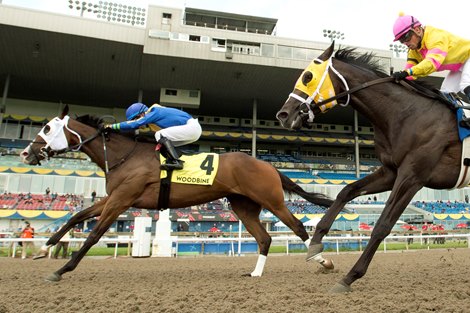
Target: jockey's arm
point(134, 124)
point(435, 56)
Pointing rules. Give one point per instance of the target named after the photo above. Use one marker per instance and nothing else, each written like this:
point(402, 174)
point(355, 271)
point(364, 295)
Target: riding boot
point(172, 159)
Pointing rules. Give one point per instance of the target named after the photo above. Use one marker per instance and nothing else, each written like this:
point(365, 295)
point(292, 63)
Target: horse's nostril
point(24, 153)
point(282, 115)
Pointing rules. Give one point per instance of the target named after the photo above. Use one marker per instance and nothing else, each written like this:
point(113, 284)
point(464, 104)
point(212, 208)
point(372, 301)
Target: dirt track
point(415, 281)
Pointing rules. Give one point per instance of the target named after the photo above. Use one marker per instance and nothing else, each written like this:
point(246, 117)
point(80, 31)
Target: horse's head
point(51, 139)
point(313, 85)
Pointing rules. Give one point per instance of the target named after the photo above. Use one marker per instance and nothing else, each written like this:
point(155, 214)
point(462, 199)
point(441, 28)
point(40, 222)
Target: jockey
point(432, 49)
point(177, 128)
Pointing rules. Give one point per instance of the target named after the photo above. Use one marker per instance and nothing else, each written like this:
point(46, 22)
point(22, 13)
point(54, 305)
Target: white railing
point(286, 239)
point(14, 242)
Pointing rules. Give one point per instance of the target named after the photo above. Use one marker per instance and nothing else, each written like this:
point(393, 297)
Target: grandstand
point(218, 74)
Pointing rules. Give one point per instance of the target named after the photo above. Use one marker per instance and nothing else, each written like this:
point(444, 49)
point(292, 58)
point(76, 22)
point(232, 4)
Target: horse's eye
point(47, 129)
point(306, 78)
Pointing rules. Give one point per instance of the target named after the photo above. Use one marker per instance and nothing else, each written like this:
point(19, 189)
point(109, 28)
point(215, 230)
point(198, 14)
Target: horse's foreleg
point(108, 216)
point(93, 211)
point(402, 193)
point(379, 181)
point(248, 212)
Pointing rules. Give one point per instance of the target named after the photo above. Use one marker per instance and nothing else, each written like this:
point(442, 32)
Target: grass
point(390, 246)
point(123, 251)
point(95, 251)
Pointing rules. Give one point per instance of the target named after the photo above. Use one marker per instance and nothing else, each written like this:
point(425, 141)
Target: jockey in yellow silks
point(432, 49)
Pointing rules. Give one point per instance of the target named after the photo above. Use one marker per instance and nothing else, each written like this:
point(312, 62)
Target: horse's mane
point(370, 62)
point(95, 121)
point(89, 120)
point(366, 61)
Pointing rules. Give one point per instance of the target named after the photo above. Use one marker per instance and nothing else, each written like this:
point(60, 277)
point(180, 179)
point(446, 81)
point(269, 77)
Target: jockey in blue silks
point(173, 128)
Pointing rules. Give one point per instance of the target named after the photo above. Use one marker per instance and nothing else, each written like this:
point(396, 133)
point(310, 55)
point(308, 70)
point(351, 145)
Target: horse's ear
point(65, 111)
point(328, 52)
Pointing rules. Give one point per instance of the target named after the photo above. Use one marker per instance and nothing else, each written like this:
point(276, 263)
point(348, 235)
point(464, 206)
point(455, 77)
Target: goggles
point(406, 37)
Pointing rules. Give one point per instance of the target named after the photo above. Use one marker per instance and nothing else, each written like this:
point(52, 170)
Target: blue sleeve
point(148, 118)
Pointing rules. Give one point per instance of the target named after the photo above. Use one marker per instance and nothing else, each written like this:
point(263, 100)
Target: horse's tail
point(312, 197)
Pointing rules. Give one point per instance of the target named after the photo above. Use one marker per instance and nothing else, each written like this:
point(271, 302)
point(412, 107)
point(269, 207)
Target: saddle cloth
point(464, 134)
point(199, 169)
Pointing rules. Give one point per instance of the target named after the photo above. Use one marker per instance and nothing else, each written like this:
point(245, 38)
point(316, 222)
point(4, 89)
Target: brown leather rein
point(357, 88)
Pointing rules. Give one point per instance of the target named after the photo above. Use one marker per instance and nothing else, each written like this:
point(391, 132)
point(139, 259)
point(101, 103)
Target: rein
point(121, 161)
point(357, 88)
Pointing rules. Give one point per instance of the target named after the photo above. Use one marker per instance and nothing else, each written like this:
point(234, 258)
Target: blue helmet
point(135, 109)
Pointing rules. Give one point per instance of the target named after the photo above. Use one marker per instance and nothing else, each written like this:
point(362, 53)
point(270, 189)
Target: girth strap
point(165, 188)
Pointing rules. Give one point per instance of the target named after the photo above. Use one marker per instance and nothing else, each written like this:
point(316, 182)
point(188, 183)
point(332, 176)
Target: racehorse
point(416, 140)
point(133, 179)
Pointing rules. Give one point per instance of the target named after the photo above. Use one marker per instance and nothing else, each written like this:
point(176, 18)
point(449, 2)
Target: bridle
point(47, 152)
point(306, 104)
point(306, 107)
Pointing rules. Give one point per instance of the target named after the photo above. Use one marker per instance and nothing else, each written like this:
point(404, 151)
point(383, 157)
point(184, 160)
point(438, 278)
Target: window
point(299, 53)
point(232, 121)
point(194, 38)
point(219, 45)
point(267, 50)
point(166, 18)
point(216, 119)
point(171, 92)
point(194, 93)
point(284, 52)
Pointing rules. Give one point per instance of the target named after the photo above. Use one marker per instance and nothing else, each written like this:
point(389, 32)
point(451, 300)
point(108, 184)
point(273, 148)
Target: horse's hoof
point(328, 264)
point(39, 256)
point(340, 287)
point(54, 277)
point(313, 250)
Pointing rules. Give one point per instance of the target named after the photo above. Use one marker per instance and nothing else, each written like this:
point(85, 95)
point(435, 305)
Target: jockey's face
point(412, 39)
point(138, 116)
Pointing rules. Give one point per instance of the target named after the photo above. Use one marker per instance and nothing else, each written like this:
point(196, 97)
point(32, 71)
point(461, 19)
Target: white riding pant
point(182, 134)
point(457, 81)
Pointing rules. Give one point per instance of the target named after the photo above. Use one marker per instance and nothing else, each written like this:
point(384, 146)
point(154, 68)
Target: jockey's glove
point(105, 127)
point(401, 75)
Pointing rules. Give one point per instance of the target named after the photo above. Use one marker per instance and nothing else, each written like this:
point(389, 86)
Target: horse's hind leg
point(93, 211)
point(248, 212)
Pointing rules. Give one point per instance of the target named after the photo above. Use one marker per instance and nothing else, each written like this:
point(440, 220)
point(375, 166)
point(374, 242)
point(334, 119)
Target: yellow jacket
point(440, 50)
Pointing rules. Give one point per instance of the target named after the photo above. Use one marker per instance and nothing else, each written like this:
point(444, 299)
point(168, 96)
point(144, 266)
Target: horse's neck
point(113, 151)
point(374, 103)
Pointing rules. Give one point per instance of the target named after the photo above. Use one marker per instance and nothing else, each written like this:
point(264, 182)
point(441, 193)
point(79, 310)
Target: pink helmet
point(403, 24)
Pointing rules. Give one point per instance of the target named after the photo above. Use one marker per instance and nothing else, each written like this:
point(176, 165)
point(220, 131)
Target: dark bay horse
point(416, 140)
point(133, 180)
